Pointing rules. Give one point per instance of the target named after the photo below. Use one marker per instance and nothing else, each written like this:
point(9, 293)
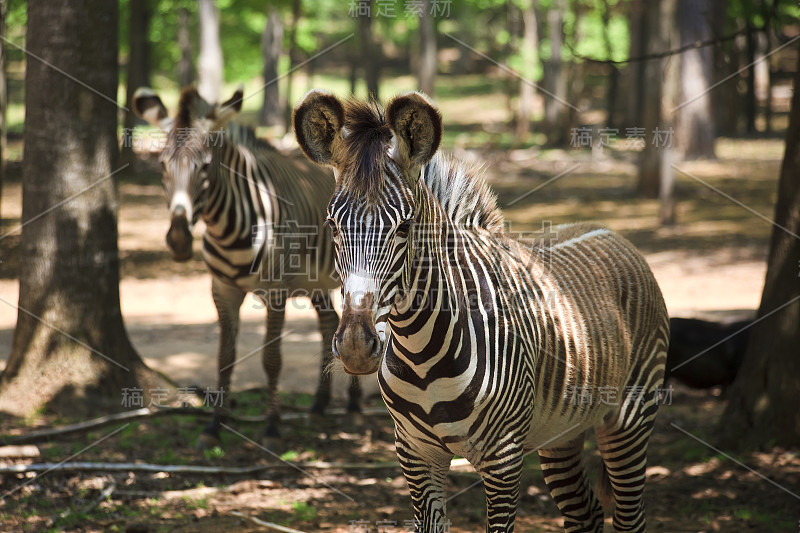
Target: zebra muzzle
point(356, 343)
point(179, 237)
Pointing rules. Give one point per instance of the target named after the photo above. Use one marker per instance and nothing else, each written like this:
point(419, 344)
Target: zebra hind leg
point(328, 322)
point(565, 477)
point(623, 449)
point(271, 360)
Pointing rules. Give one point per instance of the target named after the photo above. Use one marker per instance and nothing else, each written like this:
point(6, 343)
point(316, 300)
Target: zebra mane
point(460, 188)
point(463, 193)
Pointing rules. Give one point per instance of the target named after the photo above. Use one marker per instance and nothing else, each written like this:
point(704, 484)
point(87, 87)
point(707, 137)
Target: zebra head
point(377, 158)
point(186, 156)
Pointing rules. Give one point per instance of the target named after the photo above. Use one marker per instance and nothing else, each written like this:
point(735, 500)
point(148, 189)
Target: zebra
point(263, 213)
point(477, 338)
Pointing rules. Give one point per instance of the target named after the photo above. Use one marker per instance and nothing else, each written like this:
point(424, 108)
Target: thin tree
point(762, 409)
point(271, 46)
point(529, 53)
point(70, 350)
point(209, 63)
point(427, 49)
point(185, 66)
point(3, 99)
point(694, 120)
point(370, 50)
point(556, 113)
point(137, 69)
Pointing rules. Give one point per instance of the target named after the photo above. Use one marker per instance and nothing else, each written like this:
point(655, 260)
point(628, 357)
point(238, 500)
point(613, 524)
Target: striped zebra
point(478, 339)
point(264, 215)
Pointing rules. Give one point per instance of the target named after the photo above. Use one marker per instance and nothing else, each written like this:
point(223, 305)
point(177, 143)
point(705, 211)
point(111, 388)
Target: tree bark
point(370, 50)
point(427, 50)
point(530, 59)
point(209, 64)
point(271, 46)
point(185, 65)
point(694, 120)
point(637, 22)
point(613, 73)
point(138, 68)
point(3, 100)
point(657, 103)
point(762, 410)
point(556, 114)
point(70, 350)
point(287, 100)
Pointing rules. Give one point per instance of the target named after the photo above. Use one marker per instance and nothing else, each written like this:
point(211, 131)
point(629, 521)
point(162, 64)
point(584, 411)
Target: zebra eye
point(404, 228)
point(332, 225)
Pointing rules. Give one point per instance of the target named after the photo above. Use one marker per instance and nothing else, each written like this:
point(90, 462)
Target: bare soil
point(711, 264)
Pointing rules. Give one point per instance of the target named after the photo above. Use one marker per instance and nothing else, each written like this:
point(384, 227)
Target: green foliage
point(303, 511)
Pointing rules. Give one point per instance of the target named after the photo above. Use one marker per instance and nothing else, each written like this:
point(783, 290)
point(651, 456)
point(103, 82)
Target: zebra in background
point(476, 341)
point(264, 215)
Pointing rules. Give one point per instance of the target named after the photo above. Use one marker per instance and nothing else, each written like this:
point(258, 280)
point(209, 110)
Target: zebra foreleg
point(228, 300)
point(328, 322)
point(427, 482)
point(565, 476)
point(271, 359)
point(501, 480)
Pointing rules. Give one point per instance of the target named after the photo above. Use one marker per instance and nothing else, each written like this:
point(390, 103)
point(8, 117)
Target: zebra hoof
point(207, 441)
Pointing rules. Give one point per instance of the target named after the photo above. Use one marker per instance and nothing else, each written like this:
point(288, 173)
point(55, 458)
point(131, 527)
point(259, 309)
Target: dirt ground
point(344, 476)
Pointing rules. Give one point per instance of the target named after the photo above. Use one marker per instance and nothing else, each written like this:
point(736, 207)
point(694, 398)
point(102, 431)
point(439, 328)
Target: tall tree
point(138, 67)
point(694, 120)
point(556, 114)
point(288, 104)
point(427, 49)
point(271, 45)
point(3, 100)
point(637, 24)
point(762, 409)
point(209, 64)
point(370, 51)
point(529, 54)
point(185, 65)
point(70, 346)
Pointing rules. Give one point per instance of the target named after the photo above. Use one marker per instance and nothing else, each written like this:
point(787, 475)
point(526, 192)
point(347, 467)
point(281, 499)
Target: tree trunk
point(209, 63)
point(657, 111)
point(530, 59)
point(3, 100)
point(637, 22)
point(287, 104)
point(613, 73)
point(762, 410)
point(271, 45)
point(370, 51)
point(556, 114)
point(138, 68)
point(694, 120)
point(70, 352)
point(427, 50)
point(750, 102)
point(185, 65)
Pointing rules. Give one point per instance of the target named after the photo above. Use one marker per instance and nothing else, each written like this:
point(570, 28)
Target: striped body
point(489, 347)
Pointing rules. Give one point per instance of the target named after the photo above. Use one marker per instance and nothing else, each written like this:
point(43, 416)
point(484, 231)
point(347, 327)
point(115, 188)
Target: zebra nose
point(358, 347)
point(179, 238)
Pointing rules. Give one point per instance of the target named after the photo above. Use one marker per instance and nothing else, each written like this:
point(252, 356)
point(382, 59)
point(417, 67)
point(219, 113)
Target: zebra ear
point(221, 114)
point(147, 105)
point(417, 126)
point(318, 122)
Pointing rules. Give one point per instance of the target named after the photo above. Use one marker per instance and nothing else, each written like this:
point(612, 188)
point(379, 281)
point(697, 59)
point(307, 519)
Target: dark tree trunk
point(271, 46)
point(637, 22)
point(370, 50)
point(613, 73)
point(3, 100)
point(762, 410)
point(185, 64)
point(750, 102)
point(694, 120)
point(138, 68)
point(427, 50)
point(287, 100)
point(530, 58)
point(556, 114)
point(70, 350)
point(210, 68)
point(651, 162)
